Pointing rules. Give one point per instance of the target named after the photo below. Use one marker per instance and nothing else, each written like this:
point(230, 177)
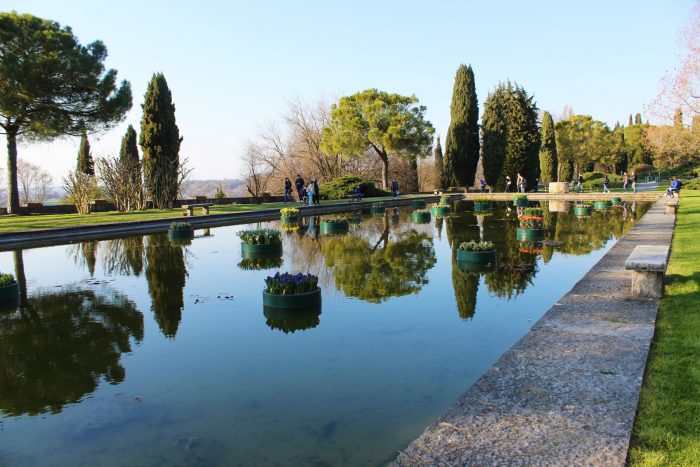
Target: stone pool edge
point(566, 393)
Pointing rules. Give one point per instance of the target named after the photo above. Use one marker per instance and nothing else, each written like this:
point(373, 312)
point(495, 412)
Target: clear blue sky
point(232, 66)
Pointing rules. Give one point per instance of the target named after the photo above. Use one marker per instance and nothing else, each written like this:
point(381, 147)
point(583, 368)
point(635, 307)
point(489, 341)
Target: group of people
point(308, 193)
point(521, 184)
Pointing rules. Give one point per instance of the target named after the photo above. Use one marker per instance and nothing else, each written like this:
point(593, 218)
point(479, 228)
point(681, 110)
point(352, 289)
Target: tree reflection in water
point(166, 273)
point(59, 345)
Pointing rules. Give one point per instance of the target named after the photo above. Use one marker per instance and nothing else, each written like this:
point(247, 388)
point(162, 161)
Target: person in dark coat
point(394, 188)
point(299, 184)
point(287, 190)
point(317, 192)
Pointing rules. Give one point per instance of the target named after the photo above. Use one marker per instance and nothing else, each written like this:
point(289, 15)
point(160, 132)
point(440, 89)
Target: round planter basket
point(290, 219)
point(334, 228)
point(9, 297)
point(529, 235)
point(180, 234)
point(583, 212)
point(520, 202)
point(418, 204)
point(250, 251)
point(616, 200)
point(476, 256)
point(602, 205)
point(482, 206)
point(287, 320)
point(441, 211)
point(420, 217)
point(295, 301)
point(376, 210)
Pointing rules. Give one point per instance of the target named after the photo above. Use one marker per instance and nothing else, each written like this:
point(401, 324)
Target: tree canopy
point(462, 141)
point(51, 86)
point(548, 150)
point(380, 123)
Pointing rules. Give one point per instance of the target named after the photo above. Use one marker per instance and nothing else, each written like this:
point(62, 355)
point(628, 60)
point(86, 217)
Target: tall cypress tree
point(637, 119)
point(511, 136)
point(160, 142)
point(548, 150)
point(439, 164)
point(462, 143)
point(129, 153)
point(631, 122)
point(85, 162)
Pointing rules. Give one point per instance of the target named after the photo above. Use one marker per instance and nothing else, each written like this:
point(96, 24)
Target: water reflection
point(289, 321)
point(390, 266)
point(166, 273)
point(123, 256)
point(58, 347)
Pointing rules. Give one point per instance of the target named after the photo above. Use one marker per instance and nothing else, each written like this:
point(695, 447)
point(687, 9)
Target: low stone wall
point(566, 393)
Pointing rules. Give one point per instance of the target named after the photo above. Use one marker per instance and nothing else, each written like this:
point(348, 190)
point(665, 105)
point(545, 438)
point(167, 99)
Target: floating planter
point(441, 210)
point(616, 200)
point(180, 231)
point(531, 223)
point(289, 215)
point(476, 252)
point(420, 217)
point(260, 242)
point(531, 248)
point(378, 208)
point(9, 292)
point(292, 291)
point(334, 226)
point(520, 201)
point(583, 210)
point(483, 204)
point(602, 204)
point(418, 204)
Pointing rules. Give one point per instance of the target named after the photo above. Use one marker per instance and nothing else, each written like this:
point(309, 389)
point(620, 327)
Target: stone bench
point(191, 207)
point(671, 207)
point(648, 264)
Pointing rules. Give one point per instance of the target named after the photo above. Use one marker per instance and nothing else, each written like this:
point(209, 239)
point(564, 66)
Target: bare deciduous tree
point(82, 190)
point(34, 182)
point(122, 183)
point(163, 174)
point(258, 172)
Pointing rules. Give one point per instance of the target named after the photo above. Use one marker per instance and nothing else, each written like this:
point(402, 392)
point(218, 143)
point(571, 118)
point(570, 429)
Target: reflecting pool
point(143, 351)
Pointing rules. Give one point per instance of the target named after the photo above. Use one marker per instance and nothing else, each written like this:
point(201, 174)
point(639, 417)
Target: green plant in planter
point(291, 284)
point(180, 226)
point(585, 206)
point(422, 211)
point(261, 237)
point(482, 200)
point(444, 201)
point(537, 212)
point(334, 219)
point(477, 246)
point(289, 212)
point(6, 279)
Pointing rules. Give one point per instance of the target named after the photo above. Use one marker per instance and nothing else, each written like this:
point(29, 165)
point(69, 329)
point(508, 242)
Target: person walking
point(299, 184)
point(521, 183)
point(482, 183)
point(394, 188)
point(317, 192)
point(606, 182)
point(507, 183)
point(625, 179)
point(287, 190)
point(634, 182)
point(537, 184)
point(580, 183)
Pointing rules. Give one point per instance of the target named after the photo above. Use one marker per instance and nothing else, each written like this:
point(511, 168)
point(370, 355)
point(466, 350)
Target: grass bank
point(667, 426)
point(43, 221)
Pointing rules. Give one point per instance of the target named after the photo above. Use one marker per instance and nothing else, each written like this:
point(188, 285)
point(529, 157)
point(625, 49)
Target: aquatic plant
point(6, 279)
point(261, 237)
point(536, 212)
point(477, 246)
point(289, 212)
point(291, 284)
point(180, 226)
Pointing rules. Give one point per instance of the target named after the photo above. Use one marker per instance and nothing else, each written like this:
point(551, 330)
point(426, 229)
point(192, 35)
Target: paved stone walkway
point(566, 393)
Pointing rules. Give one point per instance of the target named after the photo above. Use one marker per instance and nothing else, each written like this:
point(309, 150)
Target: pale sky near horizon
point(232, 66)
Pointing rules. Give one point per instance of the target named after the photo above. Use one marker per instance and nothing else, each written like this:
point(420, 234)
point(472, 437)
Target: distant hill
point(232, 187)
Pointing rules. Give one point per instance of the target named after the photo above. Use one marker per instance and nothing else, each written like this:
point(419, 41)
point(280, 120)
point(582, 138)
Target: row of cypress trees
point(511, 140)
point(160, 142)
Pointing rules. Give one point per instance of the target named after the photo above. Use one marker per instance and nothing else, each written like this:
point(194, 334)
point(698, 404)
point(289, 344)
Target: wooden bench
point(648, 264)
point(191, 207)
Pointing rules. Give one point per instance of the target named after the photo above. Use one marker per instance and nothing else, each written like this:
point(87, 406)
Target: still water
point(139, 351)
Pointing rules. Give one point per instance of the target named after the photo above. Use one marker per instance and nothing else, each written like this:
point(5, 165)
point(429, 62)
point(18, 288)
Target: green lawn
point(40, 221)
point(667, 426)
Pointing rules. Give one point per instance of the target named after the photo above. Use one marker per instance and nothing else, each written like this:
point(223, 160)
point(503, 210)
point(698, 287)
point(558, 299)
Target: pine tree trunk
point(21, 279)
point(12, 188)
point(385, 171)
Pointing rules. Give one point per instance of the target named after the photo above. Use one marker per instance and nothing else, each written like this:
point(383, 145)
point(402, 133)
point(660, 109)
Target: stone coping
point(648, 258)
point(586, 196)
point(567, 392)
